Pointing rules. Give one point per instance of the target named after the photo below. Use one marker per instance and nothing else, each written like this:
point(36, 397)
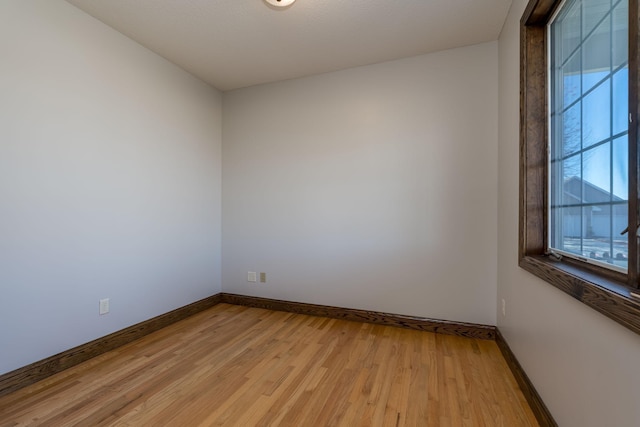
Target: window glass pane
point(596, 56)
point(596, 230)
point(571, 171)
point(596, 111)
point(567, 191)
point(620, 34)
point(589, 171)
point(574, 238)
point(596, 174)
point(621, 101)
point(572, 130)
point(593, 11)
point(571, 80)
point(567, 234)
point(620, 168)
point(620, 244)
point(569, 28)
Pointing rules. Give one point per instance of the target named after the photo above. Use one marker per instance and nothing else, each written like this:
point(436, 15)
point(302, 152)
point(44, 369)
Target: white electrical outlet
point(504, 308)
point(104, 306)
point(252, 277)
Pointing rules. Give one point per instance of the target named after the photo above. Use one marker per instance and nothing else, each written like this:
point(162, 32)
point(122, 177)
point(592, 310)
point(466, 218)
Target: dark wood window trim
point(606, 291)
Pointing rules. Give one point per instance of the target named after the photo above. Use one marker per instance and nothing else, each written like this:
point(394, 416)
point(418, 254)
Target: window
point(579, 156)
point(588, 115)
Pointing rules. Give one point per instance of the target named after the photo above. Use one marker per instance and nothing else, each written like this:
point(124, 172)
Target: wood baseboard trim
point(469, 330)
point(42, 369)
point(540, 410)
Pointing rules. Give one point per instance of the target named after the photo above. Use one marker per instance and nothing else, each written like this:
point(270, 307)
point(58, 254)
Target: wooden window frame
point(604, 290)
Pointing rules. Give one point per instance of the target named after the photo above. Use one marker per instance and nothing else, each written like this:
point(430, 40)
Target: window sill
point(605, 295)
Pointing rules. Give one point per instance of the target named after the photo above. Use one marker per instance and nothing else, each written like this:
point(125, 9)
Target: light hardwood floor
point(239, 366)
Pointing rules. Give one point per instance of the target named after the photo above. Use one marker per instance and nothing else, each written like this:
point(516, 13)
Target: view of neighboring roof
point(579, 191)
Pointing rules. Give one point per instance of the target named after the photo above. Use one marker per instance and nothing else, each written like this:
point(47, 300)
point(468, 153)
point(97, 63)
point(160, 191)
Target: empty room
point(319, 213)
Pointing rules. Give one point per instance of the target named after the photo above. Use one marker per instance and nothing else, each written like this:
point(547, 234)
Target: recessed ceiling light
point(280, 3)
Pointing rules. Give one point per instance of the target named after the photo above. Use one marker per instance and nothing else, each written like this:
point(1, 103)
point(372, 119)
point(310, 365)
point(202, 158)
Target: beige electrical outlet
point(263, 277)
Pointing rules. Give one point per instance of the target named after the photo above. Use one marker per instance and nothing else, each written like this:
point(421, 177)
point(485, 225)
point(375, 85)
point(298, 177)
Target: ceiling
point(237, 43)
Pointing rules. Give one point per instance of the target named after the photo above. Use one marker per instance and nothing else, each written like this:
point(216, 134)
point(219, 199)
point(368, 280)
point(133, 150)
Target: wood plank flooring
point(240, 366)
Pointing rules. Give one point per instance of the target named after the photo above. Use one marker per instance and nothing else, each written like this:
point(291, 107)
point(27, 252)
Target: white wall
point(109, 182)
point(584, 365)
point(371, 188)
